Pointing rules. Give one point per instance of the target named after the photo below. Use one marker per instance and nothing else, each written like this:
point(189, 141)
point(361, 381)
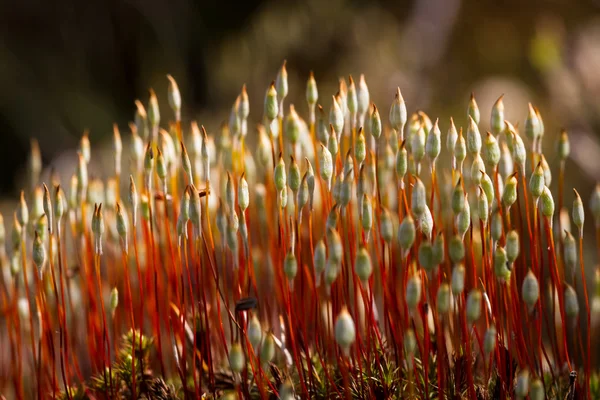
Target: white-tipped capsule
point(345, 331)
point(571, 302)
point(473, 305)
point(413, 291)
point(237, 360)
point(362, 265)
point(530, 291)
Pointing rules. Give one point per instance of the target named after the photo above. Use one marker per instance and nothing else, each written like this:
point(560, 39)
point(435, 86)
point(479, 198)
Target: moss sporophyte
point(313, 250)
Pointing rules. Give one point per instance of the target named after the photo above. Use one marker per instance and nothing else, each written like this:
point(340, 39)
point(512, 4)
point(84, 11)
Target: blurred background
point(66, 66)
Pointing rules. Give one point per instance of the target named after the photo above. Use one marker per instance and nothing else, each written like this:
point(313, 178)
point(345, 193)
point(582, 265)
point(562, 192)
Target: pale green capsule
point(509, 196)
point(231, 233)
point(386, 226)
point(407, 233)
point(235, 122)
point(345, 330)
point(161, 165)
point(271, 105)
point(532, 124)
point(473, 138)
point(398, 113)
point(122, 226)
point(536, 181)
point(438, 249)
point(497, 227)
point(473, 109)
point(366, 214)
point(283, 198)
point(375, 123)
point(362, 265)
point(332, 218)
point(85, 148)
point(451, 137)
point(512, 246)
point(293, 175)
point(360, 148)
point(244, 108)
point(547, 203)
point(443, 299)
point(412, 165)
point(319, 260)
point(41, 226)
point(267, 350)
point(418, 144)
point(460, 148)
point(279, 175)
point(522, 384)
point(281, 82)
point(312, 93)
point(322, 128)
point(578, 213)
point(332, 270)
point(536, 390)
point(425, 121)
point(547, 171)
point(425, 222)
point(47, 209)
point(571, 302)
point(351, 97)
point(292, 126)
point(497, 117)
point(387, 158)
point(114, 300)
point(563, 147)
point(362, 96)
point(456, 249)
point(336, 117)
point(488, 188)
point(336, 249)
point(410, 343)
point(433, 143)
point(473, 305)
point(22, 212)
point(141, 120)
point(346, 190)
point(491, 150)
point(414, 124)
point(39, 254)
point(458, 198)
point(153, 110)
point(519, 153)
point(483, 209)
point(303, 196)
point(254, 332)
point(501, 264)
point(530, 290)
point(413, 291)
point(290, 266)
point(477, 169)
point(332, 143)
point(243, 193)
point(489, 340)
point(463, 220)
point(426, 259)
point(59, 204)
point(419, 198)
point(458, 279)
point(237, 360)
point(569, 253)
